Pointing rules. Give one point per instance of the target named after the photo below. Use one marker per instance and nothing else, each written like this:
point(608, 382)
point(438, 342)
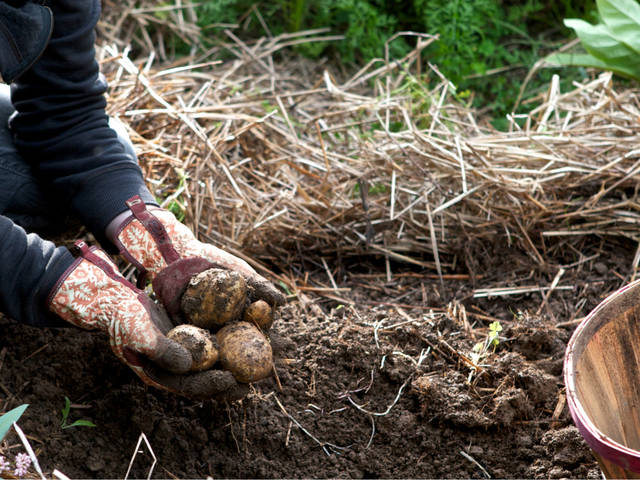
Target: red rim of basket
point(601, 444)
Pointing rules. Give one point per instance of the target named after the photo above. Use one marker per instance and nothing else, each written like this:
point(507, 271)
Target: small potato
point(245, 352)
point(214, 297)
point(259, 312)
point(200, 344)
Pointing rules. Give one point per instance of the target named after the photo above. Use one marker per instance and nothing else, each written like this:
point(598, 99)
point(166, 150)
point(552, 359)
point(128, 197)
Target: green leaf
point(622, 17)
point(65, 410)
point(600, 42)
point(589, 61)
point(65, 415)
point(495, 327)
point(10, 418)
point(285, 288)
point(80, 423)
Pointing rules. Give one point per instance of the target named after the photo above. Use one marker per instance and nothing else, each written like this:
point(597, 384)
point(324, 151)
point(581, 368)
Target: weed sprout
point(482, 349)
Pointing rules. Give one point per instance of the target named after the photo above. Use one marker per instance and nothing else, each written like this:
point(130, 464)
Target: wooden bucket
point(602, 377)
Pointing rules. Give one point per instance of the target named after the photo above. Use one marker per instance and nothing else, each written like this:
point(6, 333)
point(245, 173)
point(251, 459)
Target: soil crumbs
point(384, 384)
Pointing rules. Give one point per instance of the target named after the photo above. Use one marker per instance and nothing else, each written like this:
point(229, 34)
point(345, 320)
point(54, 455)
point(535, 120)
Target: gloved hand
point(93, 295)
point(168, 253)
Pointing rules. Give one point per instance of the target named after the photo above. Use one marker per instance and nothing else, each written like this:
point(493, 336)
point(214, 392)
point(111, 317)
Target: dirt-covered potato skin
point(259, 313)
point(245, 352)
point(213, 298)
point(200, 343)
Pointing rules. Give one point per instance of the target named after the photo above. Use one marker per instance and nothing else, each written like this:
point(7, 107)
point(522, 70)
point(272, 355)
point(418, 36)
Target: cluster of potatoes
point(224, 327)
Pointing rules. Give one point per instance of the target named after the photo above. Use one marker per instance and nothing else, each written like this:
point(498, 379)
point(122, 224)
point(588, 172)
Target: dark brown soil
point(377, 388)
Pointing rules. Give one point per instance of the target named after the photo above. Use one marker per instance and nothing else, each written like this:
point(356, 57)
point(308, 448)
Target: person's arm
point(61, 128)
point(45, 286)
point(60, 125)
point(29, 269)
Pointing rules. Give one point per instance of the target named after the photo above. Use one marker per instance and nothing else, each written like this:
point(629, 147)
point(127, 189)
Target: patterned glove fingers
point(93, 295)
point(154, 240)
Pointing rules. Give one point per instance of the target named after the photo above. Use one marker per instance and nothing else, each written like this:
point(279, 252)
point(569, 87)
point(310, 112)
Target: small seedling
point(494, 330)
point(481, 349)
point(285, 288)
point(65, 416)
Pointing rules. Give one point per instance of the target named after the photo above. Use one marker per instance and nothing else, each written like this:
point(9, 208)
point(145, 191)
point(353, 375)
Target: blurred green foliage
point(486, 47)
point(612, 44)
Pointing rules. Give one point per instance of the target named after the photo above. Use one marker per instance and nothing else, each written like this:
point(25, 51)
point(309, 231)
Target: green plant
point(366, 29)
point(482, 349)
point(613, 44)
point(486, 47)
point(295, 12)
point(172, 202)
point(10, 418)
point(285, 287)
point(65, 415)
point(375, 189)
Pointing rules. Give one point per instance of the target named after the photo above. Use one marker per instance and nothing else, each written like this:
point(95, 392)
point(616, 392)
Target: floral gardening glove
point(168, 253)
point(91, 294)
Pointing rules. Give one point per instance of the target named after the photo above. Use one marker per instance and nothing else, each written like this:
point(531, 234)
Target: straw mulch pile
point(284, 160)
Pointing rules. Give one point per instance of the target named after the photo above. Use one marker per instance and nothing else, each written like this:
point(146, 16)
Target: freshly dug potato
point(245, 352)
point(200, 344)
point(259, 312)
point(214, 297)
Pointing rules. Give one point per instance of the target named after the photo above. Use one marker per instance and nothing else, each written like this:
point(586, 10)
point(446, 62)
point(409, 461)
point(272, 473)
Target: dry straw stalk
point(278, 159)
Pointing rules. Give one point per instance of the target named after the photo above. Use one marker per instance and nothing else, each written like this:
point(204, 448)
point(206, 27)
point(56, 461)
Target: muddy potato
point(199, 342)
point(214, 297)
point(259, 312)
point(245, 352)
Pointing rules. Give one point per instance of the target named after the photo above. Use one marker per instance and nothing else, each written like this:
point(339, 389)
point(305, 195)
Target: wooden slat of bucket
point(620, 359)
point(612, 470)
point(593, 371)
point(628, 343)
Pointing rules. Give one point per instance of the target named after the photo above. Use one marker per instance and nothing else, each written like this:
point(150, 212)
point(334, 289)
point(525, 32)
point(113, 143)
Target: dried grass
point(278, 159)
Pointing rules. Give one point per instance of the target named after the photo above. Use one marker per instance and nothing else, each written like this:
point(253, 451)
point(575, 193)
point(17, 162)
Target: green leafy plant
point(10, 418)
point(486, 47)
point(65, 415)
point(612, 44)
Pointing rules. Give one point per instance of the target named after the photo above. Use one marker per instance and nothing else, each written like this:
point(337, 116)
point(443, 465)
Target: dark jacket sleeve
point(61, 128)
point(29, 270)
